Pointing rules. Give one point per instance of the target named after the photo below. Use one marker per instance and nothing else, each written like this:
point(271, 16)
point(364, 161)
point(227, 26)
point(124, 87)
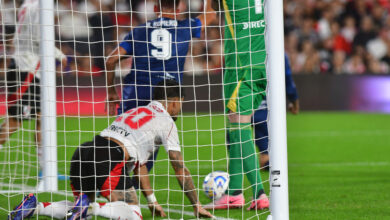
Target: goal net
point(86, 32)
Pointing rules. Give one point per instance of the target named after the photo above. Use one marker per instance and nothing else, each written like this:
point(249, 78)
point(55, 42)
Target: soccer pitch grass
point(339, 165)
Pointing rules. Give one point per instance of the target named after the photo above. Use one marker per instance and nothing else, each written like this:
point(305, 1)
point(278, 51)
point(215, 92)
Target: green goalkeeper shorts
point(244, 95)
point(244, 51)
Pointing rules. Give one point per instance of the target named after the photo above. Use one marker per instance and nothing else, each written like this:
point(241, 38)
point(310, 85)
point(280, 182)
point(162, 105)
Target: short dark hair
point(169, 3)
point(167, 89)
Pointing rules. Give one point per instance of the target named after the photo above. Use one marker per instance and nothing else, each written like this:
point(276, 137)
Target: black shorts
point(99, 165)
point(23, 91)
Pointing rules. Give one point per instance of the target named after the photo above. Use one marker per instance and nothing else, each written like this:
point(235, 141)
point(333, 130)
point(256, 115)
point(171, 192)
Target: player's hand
point(200, 212)
point(112, 101)
point(157, 210)
point(293, 107)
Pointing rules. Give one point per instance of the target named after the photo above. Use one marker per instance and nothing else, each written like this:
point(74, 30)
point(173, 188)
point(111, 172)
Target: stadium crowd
point(321, 36)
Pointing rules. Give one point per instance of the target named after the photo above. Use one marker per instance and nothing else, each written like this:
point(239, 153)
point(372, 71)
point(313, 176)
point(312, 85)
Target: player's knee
point(236, 118)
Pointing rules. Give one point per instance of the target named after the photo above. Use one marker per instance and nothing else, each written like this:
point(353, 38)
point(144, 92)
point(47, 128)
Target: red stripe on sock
point(101, 204)
point(138, 215)
point(113, 180)
point(46, 204)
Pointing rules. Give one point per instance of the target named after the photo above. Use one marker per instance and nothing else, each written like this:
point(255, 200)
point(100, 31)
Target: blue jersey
point(291, 89)
point(159, 48)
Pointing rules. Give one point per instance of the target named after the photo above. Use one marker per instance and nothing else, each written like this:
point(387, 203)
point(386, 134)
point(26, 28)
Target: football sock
point(235, 162)
point(243, 157)
point(40, 157)
point(116, 210)
point(261, 191)
point(56, 210)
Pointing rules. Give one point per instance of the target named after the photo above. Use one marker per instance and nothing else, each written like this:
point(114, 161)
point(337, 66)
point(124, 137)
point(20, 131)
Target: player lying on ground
point(104, 164)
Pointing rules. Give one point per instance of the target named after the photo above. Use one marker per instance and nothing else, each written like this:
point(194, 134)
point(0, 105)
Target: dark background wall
point(368, 93)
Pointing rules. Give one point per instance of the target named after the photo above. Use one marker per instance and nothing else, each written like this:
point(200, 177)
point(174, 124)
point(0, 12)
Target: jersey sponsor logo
point(254, 24)
point(119, 130)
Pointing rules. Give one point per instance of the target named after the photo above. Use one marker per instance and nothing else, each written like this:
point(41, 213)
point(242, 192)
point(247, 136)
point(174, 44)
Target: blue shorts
point(259, 121)
point(134, 96)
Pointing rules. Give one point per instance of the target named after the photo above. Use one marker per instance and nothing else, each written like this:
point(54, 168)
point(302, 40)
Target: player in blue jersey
point(259, 118)
point(158, 49)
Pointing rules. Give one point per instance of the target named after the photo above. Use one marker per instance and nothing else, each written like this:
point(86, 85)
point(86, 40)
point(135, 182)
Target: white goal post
point(49, 181)
point(277, 111)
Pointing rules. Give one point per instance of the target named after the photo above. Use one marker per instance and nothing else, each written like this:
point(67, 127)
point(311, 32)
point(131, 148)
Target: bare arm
point(185, 180)
point(209, 16)
point(141, 174)
point(112, 96)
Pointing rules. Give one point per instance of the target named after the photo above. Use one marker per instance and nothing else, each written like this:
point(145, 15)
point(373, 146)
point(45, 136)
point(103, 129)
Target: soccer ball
point(215, 184)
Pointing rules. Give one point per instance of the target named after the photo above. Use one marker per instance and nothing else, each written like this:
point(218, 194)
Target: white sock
point(117, 210)
point(56, 210)
point(40, 157)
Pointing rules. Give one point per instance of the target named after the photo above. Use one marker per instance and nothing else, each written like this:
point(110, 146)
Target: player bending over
point(104, 163)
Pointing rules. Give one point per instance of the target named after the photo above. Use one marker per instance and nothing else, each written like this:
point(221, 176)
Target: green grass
point(338, 164)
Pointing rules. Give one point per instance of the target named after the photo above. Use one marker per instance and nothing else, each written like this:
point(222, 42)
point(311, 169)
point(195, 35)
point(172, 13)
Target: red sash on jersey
point(23, 88)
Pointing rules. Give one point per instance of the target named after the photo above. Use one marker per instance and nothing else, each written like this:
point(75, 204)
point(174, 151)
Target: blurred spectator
point(324, 23)
point(338, 42)
point(355, 65)
point(321, 36)
point(377, 47)
point(102, 31)
point(73, 27)
point(338, 62)
point(376, 66)
point(308, 59)
point(334, 29)
point(8, 16)
point(349, 30)
point(366, 33)
point(307, 32)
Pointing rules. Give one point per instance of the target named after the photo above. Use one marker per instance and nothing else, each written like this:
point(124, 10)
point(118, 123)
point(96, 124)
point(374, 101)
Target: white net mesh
point(87, 31)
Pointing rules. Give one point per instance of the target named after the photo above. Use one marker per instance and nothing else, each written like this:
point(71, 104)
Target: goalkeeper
point(244, 88)
point(103, 164)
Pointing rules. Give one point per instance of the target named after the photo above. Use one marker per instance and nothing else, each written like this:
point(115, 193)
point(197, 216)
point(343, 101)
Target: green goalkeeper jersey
point(245, 77)
point(244, 33)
